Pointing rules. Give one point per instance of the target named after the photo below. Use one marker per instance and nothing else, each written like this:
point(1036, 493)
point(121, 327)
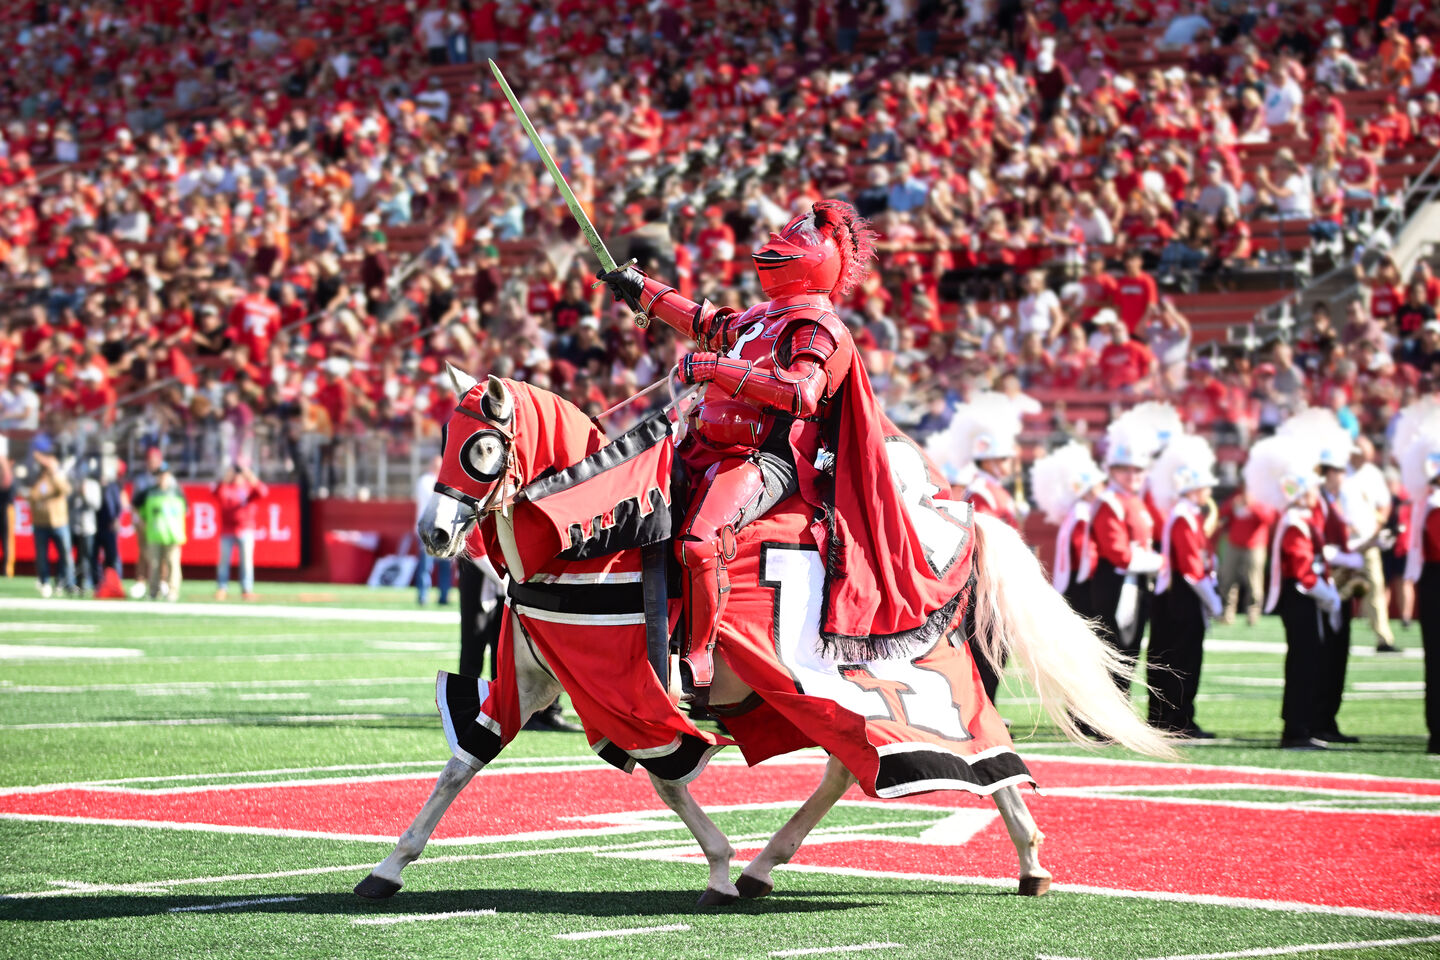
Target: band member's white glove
point(1385, 539)
point(1209, 596)
point(1326, 597)
point(1144, 562)
point(1348, 559)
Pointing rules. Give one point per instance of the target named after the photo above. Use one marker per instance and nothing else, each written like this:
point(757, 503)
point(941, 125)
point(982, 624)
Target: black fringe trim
point(905, 645)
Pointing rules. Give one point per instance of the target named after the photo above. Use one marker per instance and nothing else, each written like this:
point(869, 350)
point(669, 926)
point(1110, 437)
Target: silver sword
point(607, 262)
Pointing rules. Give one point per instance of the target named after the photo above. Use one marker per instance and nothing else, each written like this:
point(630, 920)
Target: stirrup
point(697, 668)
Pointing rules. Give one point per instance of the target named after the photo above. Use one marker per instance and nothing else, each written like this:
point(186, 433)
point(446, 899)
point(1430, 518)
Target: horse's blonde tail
point(1017, 611)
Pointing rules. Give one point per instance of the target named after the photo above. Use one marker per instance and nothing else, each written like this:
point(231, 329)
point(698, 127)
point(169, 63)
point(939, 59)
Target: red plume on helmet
point(827, 250)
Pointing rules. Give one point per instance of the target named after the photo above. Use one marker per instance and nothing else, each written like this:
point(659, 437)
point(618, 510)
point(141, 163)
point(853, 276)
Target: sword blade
point(607, 262)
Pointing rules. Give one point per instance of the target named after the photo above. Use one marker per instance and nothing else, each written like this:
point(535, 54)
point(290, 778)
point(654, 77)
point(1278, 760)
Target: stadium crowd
point(221, 215)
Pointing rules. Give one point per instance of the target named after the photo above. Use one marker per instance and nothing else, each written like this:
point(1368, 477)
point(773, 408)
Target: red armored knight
point(788, 408)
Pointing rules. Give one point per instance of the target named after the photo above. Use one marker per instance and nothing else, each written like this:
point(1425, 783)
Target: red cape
point(883, 595)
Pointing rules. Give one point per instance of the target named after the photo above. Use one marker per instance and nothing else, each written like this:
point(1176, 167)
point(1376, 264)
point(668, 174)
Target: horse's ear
point(460, 380)
point(498, 404)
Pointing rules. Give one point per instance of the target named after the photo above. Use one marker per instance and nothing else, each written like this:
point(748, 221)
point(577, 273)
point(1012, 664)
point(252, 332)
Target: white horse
point(1015, 611)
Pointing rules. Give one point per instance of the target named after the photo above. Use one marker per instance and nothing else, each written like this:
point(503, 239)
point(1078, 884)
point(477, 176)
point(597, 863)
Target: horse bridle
point(502, 490)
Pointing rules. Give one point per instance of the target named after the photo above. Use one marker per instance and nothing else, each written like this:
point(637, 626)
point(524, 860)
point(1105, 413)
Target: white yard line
point(195, 721)
point(43, 651)
point(856, 948)
point(374, 702)
point(230, 904)
point(208, 685)
point(625, 932)
point(295, 695)
point(266, 611)
point(16, 626)
point(1227, 768)
point(1205, 899)
point(419, 917)
point(1278, 951)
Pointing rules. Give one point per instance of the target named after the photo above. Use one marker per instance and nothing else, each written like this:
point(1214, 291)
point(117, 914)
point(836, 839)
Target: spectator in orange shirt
point(1394, 54)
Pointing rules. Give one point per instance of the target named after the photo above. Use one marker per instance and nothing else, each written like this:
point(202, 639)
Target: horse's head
point(501, 436)
point(475, 455)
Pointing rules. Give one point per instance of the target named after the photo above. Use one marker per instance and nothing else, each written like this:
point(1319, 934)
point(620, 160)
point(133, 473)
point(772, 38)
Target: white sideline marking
point(1390, 685)
point(256, 611)
point(193, 721)
point(811, 951)
point(414, 917)
point(626, 932)
point(1278, 951)
point(41, 651)
point(1206, 899)
point(204, 686)
point(11, 626)
point(1278, 648)
point(411, 646)
point(235, 903)
point(300, 695)
point(374, 702)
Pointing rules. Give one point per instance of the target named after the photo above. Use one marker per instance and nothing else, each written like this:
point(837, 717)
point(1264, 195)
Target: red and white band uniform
point(1302, 593)
point(1120, 586)
point(1075, 558)
point(1186, 597)
point(1330, 511)
point(1422, 567)
point(987, 494)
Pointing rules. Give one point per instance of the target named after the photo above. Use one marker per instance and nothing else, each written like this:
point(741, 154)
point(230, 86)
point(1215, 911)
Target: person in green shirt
point(162, 515)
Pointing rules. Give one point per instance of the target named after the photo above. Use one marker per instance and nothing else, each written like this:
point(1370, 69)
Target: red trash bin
point(350, 554)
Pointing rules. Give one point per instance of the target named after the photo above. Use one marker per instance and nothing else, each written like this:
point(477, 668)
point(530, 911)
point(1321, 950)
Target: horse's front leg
point(384, 881)
point(719, 891)
point(755, 881)
point(535, 688)
point(1034, 879)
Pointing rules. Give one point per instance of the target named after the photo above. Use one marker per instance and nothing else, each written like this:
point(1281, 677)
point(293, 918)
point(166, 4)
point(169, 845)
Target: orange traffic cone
point(110, 587)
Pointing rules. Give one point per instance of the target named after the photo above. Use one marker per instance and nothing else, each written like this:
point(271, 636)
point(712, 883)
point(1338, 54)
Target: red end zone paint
point(1369, 861)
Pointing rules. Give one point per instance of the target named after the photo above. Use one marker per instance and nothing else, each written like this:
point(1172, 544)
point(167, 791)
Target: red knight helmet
point(827, 250)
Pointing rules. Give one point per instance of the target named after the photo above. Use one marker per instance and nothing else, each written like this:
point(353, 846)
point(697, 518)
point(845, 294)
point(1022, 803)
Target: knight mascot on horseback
point(829, 581)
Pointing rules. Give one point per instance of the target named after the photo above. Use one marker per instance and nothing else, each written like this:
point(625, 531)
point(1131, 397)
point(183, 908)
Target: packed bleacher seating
point(224, 220)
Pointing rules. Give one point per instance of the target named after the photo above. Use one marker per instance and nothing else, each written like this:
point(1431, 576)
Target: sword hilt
point(638, 314)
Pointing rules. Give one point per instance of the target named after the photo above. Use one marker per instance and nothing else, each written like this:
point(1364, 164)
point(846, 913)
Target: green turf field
point(198, 707)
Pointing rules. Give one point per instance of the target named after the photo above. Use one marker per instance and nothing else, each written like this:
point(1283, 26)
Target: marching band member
point(1186, 596)
point(1281, 474)
point(1124, 535)
point(978, 454)
point(1332, 508)
point(1419, 432)
point(1067, 484)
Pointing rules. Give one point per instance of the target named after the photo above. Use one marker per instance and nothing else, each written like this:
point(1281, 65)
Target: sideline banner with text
point(277, 528)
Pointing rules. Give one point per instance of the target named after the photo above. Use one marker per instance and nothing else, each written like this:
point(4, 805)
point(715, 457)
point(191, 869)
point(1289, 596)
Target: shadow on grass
point(594, 903)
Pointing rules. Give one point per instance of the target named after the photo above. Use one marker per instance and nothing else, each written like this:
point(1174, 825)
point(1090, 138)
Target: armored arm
point(794, 388)
point(702, 322)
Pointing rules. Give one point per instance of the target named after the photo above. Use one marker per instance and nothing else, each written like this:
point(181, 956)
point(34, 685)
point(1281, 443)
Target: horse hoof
point(714, 898)
point(1034, 886)
point(376, 888)
point(752, 889)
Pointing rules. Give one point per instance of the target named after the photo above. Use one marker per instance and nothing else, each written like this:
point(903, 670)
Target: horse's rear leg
point(1034, 879)
point(384, 881)
point(719, 891)
point(755, 881)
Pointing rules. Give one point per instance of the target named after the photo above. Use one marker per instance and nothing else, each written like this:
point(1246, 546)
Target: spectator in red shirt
point(1126, 365)
point(238, 493)
point(255, 319)
point(1246, 524)
point(1394, 124)
point(1359, 176)
point(1427, 125)
point(1074, 362)
point(1135, 292)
